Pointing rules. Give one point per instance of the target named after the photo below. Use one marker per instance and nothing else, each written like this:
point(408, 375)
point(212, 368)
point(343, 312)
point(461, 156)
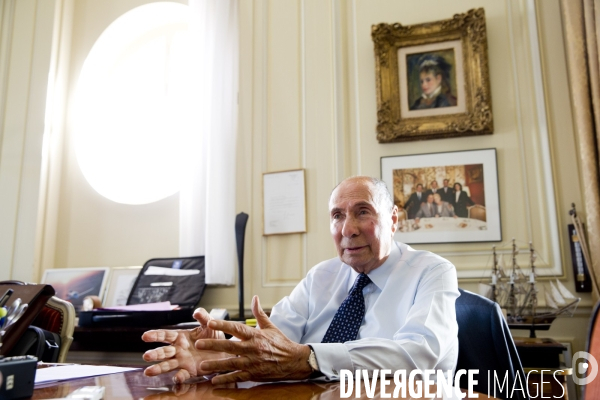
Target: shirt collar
point(379, 275)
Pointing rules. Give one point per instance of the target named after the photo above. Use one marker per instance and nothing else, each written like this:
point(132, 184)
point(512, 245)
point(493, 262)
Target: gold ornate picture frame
point(433, 79)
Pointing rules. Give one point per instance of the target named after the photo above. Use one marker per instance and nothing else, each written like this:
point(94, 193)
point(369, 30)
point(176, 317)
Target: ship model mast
point(521, 302)
point(512, 292)
point(530, 300)
point(494, 293)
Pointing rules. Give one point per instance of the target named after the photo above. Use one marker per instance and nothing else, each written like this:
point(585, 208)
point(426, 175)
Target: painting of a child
point(431, 80)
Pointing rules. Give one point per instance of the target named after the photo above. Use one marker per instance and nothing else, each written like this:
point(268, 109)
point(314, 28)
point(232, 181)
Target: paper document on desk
point(152, 270)
point(67, 372)
point(161, 306)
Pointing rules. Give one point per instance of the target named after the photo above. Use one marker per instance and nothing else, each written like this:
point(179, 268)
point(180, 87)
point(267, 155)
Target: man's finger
point(236, 329)
point(232, 377)
point(202, 316)
point(159, 354)
point(261, 317)
point(160, 335)
point(181, 376)
point(222, 345)
point(162, 367)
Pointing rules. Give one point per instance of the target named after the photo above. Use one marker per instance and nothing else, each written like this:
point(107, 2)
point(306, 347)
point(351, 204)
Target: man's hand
point(264, 354)
point(181, 352)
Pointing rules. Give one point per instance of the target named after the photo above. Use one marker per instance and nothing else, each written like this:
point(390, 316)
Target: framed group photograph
point(445, 197)
point(74, 284)
point(432, 79)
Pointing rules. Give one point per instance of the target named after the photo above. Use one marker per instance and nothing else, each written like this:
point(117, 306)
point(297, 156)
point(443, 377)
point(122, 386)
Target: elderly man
point(380, 304)
point(427, 209)
point(442, 208)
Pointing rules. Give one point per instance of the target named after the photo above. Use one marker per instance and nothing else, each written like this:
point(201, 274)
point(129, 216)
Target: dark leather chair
point(485, 343)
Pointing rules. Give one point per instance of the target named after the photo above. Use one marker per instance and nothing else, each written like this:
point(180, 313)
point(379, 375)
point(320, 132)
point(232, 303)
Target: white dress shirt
point(410, 319)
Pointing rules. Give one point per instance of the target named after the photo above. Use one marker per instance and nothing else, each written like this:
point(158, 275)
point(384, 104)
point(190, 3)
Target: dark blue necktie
point(348, 318)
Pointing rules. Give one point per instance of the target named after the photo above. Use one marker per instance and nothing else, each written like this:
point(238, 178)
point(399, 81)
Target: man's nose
point(350, 227)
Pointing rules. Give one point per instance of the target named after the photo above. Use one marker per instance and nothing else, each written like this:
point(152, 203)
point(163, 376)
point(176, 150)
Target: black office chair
point(485, 343)
point(240, 234)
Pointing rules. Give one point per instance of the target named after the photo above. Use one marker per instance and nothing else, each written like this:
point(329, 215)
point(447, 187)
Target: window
point(133, 109)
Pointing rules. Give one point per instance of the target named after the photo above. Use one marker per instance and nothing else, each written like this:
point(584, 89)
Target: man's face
point(445, 182)
point(434, 184)
point(437, 199)
point(362, 232)
point(430, 199)
point(419, 188)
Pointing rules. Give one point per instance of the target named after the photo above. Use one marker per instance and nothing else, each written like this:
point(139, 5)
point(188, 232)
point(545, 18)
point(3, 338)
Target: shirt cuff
point(332, 358)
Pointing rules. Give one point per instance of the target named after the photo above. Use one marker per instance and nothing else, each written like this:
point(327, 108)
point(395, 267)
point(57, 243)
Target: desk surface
point(134, 385)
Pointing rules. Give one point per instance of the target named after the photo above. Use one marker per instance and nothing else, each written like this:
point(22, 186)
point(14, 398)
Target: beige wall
point(307, 100)
point(26, 29)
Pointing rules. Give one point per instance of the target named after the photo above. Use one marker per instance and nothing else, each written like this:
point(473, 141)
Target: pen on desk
point(5, 297)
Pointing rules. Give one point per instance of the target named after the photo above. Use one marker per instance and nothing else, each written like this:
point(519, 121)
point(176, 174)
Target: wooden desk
point(134, 385)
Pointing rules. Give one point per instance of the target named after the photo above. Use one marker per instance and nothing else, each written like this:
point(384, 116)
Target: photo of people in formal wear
point(441, 198)
point(431, 79)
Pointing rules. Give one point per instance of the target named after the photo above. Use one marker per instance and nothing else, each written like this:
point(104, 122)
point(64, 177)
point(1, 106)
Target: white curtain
point(207, 199)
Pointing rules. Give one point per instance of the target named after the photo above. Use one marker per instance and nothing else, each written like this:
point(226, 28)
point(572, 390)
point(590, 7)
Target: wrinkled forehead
point(349, 193)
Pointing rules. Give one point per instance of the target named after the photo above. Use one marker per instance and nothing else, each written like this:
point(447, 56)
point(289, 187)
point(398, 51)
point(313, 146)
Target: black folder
point(178, 280)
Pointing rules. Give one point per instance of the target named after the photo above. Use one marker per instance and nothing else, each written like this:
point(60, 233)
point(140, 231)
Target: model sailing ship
point(517, 293)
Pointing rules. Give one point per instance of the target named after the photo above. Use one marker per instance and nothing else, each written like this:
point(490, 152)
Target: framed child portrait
point(432, 79)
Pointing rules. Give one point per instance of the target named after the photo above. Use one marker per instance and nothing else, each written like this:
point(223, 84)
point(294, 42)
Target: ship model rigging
point(517, 293)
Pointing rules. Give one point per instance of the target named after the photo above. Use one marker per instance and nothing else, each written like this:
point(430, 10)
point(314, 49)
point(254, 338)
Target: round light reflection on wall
point(133, 109)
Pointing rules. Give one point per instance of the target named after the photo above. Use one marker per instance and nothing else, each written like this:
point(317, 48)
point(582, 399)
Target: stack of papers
point(75, 371)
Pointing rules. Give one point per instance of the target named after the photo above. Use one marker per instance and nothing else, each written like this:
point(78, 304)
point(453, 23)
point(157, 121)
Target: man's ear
point(394, 219)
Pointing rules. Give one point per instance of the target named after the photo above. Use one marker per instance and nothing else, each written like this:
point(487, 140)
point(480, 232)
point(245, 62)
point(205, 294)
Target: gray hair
point(383, 197)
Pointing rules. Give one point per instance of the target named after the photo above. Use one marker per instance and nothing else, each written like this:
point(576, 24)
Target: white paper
point(170, 271)
point(160, 306)
point(284, 206)
point(122, 289)
point(66, 372)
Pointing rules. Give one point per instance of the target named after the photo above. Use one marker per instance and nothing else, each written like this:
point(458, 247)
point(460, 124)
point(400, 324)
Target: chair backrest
point(240, 234)
point(58, 316)
point(592, 389)
point(402, 215)
point(485, 343)
point(477, 212)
